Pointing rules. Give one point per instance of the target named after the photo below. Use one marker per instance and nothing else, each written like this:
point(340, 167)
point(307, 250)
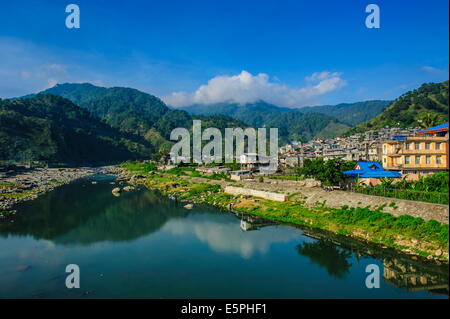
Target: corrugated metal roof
point(370, 169)
point(435, 129)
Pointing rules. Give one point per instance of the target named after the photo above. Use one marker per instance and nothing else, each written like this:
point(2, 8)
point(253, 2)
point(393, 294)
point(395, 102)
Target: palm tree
point(428, 120)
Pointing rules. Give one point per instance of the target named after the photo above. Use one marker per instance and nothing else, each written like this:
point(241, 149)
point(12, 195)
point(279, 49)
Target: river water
point(144, 245)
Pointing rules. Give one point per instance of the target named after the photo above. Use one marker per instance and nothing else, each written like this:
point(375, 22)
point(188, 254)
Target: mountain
point(134, 112)
point(128, 109)
point(296, 125)
point(350, 113)
point(259, 112)
point(426, 106)
point(255, 114)
point(292, 124)
point(51, 128)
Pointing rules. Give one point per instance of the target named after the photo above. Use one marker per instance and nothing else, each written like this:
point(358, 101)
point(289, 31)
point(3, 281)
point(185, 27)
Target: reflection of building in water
point(408, 276)
point(253, 223)
point(399, 270)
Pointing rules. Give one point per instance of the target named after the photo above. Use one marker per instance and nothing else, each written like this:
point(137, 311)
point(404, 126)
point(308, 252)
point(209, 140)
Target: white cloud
point(432, 69)
point(247, 88)
point(228, 238)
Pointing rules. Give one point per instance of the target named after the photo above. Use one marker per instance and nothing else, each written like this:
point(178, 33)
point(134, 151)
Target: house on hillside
point(369, 173)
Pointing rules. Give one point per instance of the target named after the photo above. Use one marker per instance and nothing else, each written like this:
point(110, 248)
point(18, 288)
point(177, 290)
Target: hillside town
point(412, 152)
point(406, 153)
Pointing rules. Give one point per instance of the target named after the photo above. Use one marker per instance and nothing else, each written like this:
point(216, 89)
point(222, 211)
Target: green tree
point(328, 172)
point(428, 120)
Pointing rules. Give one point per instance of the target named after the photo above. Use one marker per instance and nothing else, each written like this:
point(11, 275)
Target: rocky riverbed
point(16, 187)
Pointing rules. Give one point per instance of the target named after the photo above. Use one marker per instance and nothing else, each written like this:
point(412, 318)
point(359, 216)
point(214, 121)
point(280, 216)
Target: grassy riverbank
point(406, 233)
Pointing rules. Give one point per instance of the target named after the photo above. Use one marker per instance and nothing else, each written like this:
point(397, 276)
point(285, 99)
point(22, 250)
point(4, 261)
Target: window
point(416, 146)
point(384, 148)
point(407, 146)
point(428, 159)
point(438, 159)
point(427, 146)
point(417, 159)
point(384, 160)
point(407, 161)
point(438, 146)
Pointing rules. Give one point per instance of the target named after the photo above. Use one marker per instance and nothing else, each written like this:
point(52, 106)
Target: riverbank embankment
point(336, 199)
point(417, 236)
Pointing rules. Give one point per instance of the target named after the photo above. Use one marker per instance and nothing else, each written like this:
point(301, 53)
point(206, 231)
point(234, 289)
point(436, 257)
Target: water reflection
point(333, 253)
point(327, 255)
point(82, 213)
point(83, 221)
point(221, 235)
point(412, 277)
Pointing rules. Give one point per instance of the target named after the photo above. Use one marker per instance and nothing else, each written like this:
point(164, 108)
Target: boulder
point(116, 191)
point(128, 188)
point(189, 206)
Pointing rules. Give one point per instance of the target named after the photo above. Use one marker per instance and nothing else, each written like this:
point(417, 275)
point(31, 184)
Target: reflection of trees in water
point(134, 216)
point(327, 255)
point(82, 213)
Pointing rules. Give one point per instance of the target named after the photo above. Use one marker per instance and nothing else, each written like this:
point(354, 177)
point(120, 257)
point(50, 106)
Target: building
point(240, 175)
point(293, 161)
point(369, 173)
point(209, 171)
point(255, 162)
point(424, 153)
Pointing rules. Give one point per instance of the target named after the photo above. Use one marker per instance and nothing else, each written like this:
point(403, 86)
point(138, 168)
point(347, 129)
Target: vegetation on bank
point(145, 168)
point(432, 189)
point(328, 172)
point(406, 233)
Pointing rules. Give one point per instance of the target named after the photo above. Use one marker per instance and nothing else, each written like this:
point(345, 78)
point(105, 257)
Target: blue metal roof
point(435, 129)
point(371, 169)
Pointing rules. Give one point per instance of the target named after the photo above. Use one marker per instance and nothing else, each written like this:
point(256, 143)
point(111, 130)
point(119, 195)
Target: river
point(144, 245)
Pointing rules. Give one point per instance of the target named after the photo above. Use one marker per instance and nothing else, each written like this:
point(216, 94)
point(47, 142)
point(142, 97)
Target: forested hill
point(299, 126)
point(128, 109)
point(302, 123)
point(350, 113)
point(425, 107)
point(292, 124)
point(51, 128)
point(135, 112)
point(255, 114)
point(260, 112)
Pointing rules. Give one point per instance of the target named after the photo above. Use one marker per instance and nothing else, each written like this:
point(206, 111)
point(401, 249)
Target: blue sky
point(292, 53)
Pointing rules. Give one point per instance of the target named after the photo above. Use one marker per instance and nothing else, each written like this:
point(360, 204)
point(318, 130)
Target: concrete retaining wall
point(253, 192)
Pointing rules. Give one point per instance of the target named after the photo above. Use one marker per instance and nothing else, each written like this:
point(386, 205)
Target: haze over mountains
point(83, 123)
